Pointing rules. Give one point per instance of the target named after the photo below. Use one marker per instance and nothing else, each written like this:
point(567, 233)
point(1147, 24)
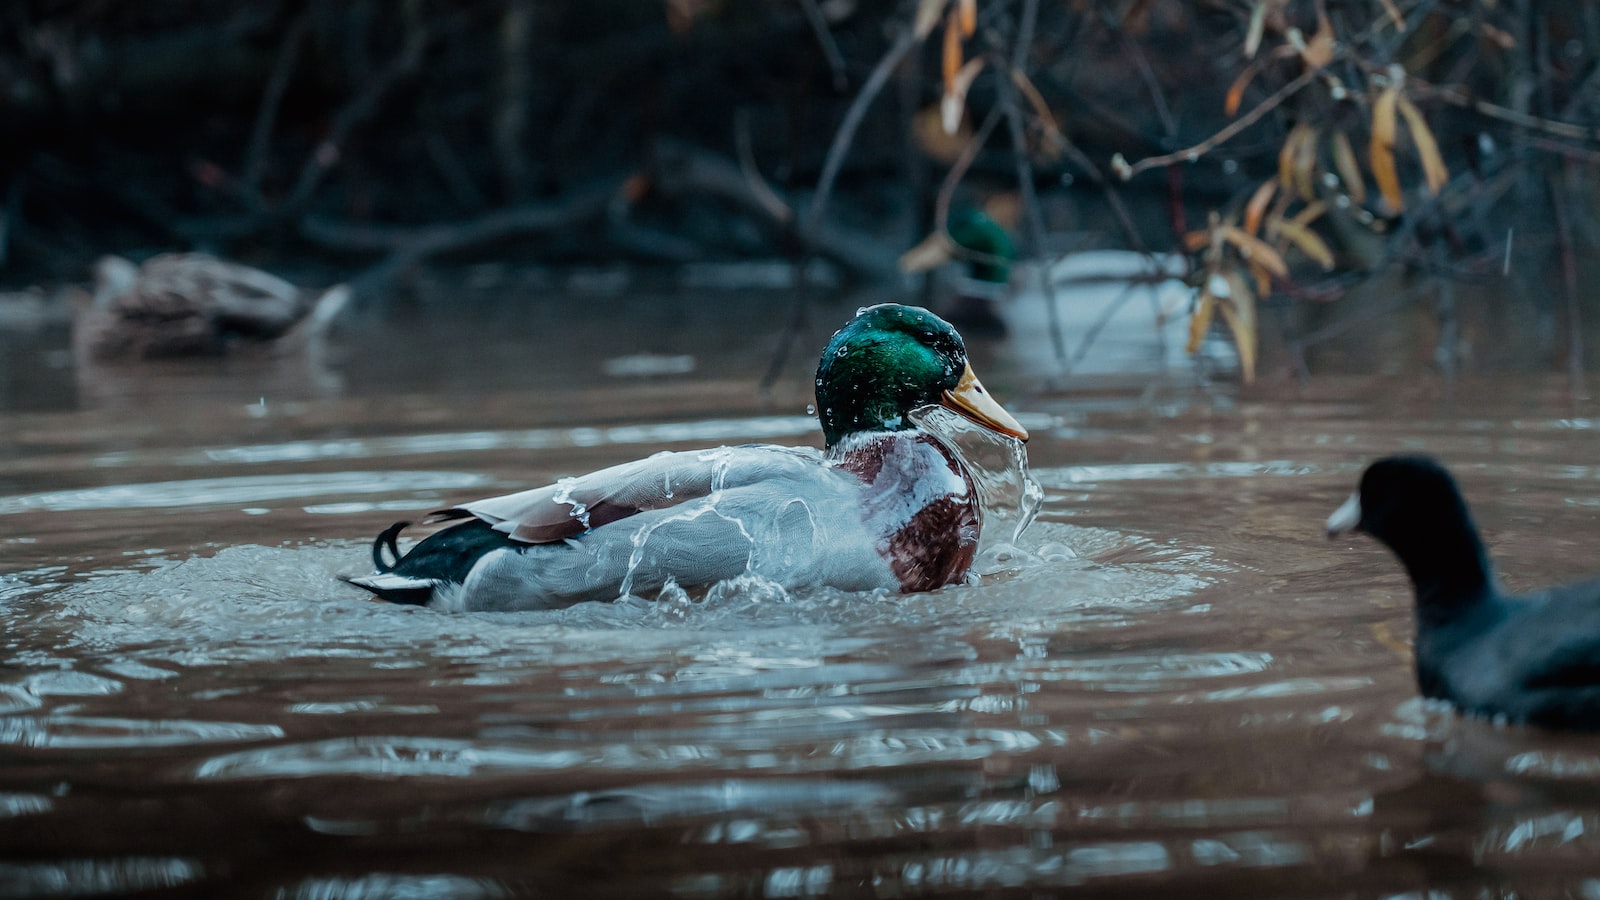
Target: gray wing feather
point(573, 506)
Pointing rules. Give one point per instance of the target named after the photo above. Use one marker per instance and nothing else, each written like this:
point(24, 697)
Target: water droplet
point(811, 409)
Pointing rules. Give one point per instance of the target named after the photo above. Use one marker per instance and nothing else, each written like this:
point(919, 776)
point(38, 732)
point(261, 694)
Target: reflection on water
point(1168, 684)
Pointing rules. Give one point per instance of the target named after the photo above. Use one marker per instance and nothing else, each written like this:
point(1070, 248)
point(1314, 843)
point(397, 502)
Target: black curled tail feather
point(387, 538)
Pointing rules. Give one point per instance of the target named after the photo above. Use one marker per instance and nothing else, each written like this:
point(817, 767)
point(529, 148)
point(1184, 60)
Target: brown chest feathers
point(921, 502)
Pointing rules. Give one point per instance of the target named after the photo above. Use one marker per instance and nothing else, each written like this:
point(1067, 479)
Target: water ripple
point(85, 732)
point(236, 490)
point(383, 757)
point(654, 802)
point(1068, 476)
point(478, 441)
point(79, 877)
point(390, 886)
point(24, 805)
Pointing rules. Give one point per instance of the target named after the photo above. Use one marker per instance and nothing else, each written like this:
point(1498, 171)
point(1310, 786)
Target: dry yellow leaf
point(1318, 51)
point(1297, 160)
point(1236, 91)
point(928, 12)
point(1311, 213)
point(1305, 163)
point(1309, 242)
point(1344, 160)
point(1499, 38)
point(1380, 152)
point(969, 16)
point(1255, 250)
point(1252, 37)
point(1200, 322)
point(927, 128)
point(1263, 279)
point(1239, 313)
point(1394, 14)
point(1257, 207)
point(1286, 158)
point(952, 50)
point(935, 250)
point(954, 102)
point(1433, 167)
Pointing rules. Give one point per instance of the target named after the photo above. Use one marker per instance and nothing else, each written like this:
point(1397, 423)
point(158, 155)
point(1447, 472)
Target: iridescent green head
point(891, 359)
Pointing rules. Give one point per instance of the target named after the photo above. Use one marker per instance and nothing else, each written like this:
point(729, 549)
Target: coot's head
point(1400, 495)
point(1412, 505)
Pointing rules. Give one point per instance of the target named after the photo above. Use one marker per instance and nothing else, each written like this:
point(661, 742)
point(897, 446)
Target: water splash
point(1008, 493)
point(580, 510)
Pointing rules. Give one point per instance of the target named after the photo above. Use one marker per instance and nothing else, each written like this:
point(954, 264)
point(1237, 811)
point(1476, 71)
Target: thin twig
point(811, 223)
point(830, 47)
point(845, 136)
point(328, 151)
point(1126, 170)
point(455, 175)
point(1132, 50)
point(1033, 215)
point(255, 160)
point(763, 192)
point(952, 180)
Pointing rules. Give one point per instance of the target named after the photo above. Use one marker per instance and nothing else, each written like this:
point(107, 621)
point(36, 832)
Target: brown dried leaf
point(1257, 207)
point(1199, 323)
point(1305, 163)
point(1255, 250)
point(1194, 241)
point(1319, 50)
point(928, 12)
point(1344, 160)
point(1433, 167)
point(1280, 209)
point(927, 128)
point(1236, 90)
point(1499, 38)
point(1394, 14)
point(969, 17)
point(935, 250)
point(951, 60)
point(1252, 37)
point(1380, 152)
point(1309, 242)
point(954, 102)
point(1286, 159)
point(1263, 279)
point(1239, 312)
point(1311, 213)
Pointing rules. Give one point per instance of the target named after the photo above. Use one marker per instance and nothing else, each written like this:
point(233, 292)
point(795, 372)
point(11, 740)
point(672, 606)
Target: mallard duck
point(190, 304)
point(884, 506)
point(1531, 658)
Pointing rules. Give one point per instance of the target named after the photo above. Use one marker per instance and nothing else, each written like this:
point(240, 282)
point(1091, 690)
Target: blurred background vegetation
point(1434, 158)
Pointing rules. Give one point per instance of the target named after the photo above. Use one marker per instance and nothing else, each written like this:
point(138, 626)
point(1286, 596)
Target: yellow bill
point(969, 399)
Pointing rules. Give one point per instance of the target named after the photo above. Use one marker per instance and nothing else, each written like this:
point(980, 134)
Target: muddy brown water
point(1178, 688)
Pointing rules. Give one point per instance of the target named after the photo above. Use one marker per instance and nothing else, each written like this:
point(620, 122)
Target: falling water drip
point(1008, 493)
point(1032, 498)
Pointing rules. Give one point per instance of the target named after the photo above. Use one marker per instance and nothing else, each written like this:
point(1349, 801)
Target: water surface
point(1174, 685)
